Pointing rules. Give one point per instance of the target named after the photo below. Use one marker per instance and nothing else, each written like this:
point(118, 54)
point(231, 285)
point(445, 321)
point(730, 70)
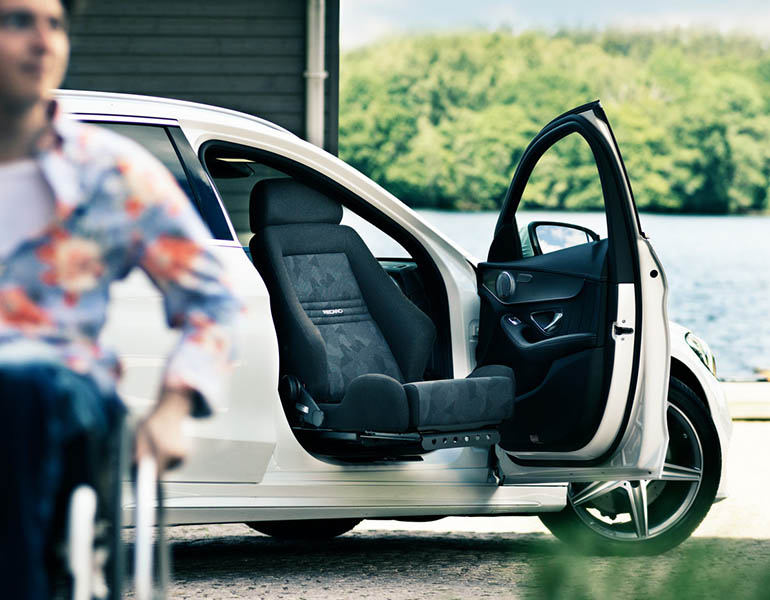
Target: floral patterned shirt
point(116, 207)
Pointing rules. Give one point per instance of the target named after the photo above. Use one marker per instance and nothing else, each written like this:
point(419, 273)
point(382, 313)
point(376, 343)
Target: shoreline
point(544, 209)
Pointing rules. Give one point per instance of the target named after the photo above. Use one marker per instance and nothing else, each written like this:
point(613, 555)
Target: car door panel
point(581, 328)
point(578, 412)
point(567, 284)
point(234, 445)
point(530, 285)
point(517, 341)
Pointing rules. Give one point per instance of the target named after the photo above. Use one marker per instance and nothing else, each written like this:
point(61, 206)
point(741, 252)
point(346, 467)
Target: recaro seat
point(348, 334)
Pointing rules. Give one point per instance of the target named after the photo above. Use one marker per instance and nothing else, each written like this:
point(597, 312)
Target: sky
point(365, 21)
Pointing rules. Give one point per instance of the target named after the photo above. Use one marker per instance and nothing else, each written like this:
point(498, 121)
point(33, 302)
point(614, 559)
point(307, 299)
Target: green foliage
point(442, 120)
point(697, 569)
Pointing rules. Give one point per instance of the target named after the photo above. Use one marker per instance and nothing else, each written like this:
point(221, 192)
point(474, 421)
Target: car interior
point(365, 365)
point(359, 374)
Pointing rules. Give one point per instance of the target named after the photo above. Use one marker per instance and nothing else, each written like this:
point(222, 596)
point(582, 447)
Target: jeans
point(56, 427)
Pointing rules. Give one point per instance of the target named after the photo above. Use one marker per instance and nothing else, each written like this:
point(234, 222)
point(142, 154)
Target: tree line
point(441, 120)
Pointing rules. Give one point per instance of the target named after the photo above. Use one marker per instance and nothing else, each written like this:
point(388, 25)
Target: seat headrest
point(284, 201)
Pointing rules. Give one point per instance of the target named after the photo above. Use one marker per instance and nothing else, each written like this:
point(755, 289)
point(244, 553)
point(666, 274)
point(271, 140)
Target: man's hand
point(160, 434)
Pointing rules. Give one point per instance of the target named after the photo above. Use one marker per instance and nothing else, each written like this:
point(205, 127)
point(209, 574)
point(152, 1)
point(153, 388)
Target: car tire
point(645, 518)
point(307, 529)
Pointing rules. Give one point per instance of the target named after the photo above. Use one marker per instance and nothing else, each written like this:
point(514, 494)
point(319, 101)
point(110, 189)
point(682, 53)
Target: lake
point(718, 271)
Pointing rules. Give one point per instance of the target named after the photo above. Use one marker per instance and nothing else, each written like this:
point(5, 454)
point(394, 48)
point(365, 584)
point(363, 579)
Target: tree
point(442, 120)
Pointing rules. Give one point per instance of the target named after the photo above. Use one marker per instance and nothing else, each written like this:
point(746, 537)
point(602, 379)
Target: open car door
point(584, 327)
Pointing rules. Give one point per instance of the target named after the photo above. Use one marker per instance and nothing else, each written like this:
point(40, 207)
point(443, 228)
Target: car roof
point(134, 105)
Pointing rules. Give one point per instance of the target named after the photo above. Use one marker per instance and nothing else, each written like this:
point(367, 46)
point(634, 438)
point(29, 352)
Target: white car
point(546, 380)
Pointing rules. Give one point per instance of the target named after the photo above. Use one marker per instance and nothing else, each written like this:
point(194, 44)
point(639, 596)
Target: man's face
point(34, 49)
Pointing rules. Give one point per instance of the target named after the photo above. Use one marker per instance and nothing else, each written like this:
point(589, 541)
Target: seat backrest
point(337, 313)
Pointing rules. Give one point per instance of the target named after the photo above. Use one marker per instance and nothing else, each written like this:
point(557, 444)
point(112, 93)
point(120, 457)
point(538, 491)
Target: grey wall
point(248, 55)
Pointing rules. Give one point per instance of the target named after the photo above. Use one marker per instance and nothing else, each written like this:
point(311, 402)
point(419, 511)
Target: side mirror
point(542, 237)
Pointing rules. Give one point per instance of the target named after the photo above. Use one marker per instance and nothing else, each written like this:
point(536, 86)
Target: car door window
point(563, 189)
point(155, 139)
point(159, 141)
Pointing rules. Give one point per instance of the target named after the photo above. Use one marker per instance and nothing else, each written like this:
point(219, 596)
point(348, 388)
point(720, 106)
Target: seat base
point(373, 445)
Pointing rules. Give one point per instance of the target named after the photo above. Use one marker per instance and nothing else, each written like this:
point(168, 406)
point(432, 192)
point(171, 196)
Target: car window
point(155, 139)
point(564, 189)
point(169, 145)
point(235, 177)
point(379, 243)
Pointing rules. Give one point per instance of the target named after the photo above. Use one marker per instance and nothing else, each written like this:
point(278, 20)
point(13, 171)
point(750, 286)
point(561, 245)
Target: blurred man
point(79, 208)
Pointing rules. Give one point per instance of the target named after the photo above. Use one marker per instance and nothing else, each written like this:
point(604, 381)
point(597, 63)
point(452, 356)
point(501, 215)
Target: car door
point(584, 328)
point(234, 446)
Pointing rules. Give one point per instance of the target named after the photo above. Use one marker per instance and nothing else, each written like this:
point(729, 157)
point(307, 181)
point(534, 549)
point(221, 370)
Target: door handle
point(555, 317)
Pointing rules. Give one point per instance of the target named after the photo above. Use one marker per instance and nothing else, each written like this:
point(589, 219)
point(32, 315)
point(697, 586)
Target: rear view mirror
point(543, 237)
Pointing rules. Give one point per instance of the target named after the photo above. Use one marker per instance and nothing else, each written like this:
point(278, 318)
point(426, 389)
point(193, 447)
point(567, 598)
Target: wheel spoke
point(594, 490)
point(620, 510)
point(637, 499)
point(673, 472)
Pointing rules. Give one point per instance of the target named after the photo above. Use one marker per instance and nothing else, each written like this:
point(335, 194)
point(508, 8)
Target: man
point(79, 208)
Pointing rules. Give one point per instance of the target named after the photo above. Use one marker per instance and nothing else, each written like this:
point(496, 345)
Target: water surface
point(718, 271)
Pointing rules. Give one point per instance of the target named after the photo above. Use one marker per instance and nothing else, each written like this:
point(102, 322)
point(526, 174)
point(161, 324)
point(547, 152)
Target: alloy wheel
point(638, 510)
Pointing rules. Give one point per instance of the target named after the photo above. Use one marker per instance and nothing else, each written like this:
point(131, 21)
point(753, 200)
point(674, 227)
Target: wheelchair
point(95, 553)
point(64, 457)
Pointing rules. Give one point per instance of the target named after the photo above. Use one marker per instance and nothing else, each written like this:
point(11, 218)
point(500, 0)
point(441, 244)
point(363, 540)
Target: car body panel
point(237, 443)
point(713, 397)
point(239, 504)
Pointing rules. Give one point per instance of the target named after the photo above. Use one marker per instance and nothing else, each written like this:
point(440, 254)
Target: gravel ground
point(729, 555)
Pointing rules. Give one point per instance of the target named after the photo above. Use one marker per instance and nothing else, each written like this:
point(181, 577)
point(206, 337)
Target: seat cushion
point(452, 404)
point(379, 403)
point(371, 403)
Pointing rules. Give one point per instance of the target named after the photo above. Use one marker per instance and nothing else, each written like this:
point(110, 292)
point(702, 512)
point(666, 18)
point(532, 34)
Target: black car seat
point(352, 347)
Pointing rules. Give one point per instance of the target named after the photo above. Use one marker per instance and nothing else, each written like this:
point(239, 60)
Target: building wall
point(248, 55)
